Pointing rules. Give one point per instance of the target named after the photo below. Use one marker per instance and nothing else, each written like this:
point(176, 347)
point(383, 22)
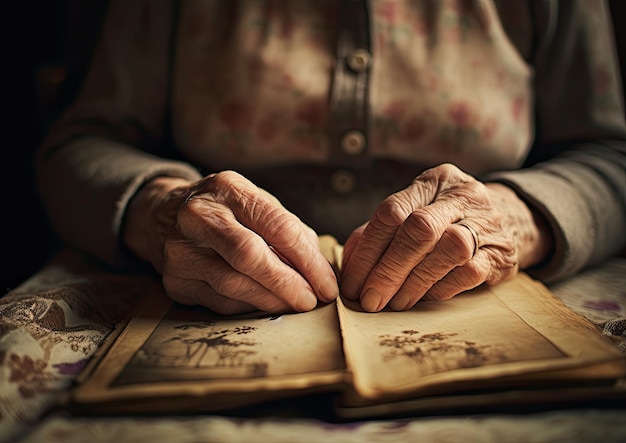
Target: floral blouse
point(334, 104)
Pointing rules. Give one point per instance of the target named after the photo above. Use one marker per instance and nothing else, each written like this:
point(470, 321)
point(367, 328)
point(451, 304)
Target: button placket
point(349, 119)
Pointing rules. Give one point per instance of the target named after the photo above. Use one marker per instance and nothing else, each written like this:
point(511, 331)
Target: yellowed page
point(482, 338)
point(168, 350)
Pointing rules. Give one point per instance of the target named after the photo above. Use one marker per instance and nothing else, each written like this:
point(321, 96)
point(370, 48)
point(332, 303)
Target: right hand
point(228, 245)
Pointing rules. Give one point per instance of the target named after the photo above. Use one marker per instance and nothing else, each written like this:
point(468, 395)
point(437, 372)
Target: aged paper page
point(191, 344)
point(483, 335)
point(172, 350)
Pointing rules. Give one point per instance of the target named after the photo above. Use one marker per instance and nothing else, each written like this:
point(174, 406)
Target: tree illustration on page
point(223, 341)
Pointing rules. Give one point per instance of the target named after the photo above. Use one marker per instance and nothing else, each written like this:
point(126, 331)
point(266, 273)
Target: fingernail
point(371, 300)
point(350, 287)
point(329, 289)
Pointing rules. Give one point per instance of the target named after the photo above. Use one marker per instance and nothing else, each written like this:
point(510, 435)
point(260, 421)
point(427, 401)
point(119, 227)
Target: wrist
point(150, 216)
point(544, 243)
point(532, 231)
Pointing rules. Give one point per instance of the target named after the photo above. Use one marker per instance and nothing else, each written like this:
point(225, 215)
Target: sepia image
point(477, 330)
point(193, 344)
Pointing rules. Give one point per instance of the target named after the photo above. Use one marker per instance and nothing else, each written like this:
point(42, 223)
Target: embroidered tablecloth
point(52, 324)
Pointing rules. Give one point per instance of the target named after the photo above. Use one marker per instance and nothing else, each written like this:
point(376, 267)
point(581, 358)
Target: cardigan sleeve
point(111, 140)
point(577, 167)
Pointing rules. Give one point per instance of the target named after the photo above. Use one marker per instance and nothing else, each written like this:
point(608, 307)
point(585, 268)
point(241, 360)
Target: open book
point(502, 345)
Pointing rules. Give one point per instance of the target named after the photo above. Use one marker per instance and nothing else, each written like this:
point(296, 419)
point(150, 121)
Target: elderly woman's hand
point(444, 234)
point(228, 245)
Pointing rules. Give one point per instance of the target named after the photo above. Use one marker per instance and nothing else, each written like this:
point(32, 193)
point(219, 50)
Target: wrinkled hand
point(228, 245)
point(444, 234)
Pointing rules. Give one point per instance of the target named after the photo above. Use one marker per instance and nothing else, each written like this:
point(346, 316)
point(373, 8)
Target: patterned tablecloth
point(52, 324)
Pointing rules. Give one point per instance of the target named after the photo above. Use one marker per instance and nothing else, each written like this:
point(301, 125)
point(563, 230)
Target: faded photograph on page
point(391, 351)
point(514, 331)
point(192, 344)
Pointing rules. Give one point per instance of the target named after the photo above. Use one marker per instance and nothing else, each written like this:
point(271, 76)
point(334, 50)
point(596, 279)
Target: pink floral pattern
point(271, 101)
point(254, 77)
point(50, 326)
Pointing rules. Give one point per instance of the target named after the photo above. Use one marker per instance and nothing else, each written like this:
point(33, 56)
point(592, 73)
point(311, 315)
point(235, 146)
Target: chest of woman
point(254, 84)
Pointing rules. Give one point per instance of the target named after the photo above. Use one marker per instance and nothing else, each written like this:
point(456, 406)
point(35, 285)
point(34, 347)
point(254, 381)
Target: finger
point(196, 292)
point(372, 244)
point(491, 264)
point(416, 237)
point(351, 243)
point(389, 216)
point(413, 240)
point(247, 253)
point(455, 248)
point(223, 283)
point(291, 239)
point(460, 279)
point(292, 242)
point(186, 262)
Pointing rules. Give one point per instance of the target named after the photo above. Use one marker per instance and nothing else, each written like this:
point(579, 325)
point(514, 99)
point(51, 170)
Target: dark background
point(43, 64)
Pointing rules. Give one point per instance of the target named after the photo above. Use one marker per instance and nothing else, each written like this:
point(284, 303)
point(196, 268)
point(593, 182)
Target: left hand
point(444, 234)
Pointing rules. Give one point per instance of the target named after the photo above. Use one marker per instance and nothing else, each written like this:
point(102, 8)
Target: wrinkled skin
point(228, 245)
point(414, 246)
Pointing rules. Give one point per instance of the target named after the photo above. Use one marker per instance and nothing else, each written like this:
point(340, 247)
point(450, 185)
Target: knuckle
point(245, 257)
point(447, 169)
point(224, 178)
point(228, 186)
point(285, 228)
point(456, 247)
point(420, 226)
point(441, 172)
point(390, 213)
